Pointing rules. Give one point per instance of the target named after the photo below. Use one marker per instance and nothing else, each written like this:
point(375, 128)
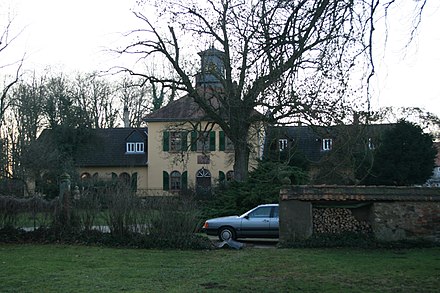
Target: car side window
point(275, 212)
point(263, 212)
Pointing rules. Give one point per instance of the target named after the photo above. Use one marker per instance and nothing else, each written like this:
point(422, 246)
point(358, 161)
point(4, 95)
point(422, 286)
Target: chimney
point(126, 117)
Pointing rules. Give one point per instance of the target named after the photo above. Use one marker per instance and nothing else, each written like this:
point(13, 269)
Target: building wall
point(105, 173)
point(191, 161)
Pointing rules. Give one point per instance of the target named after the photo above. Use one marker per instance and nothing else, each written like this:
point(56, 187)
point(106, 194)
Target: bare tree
point(7, 38)
point(293, 60)
point(134, 97)
point(95, 97)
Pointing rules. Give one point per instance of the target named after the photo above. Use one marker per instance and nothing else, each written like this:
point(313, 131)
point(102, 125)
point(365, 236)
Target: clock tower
point(212, 69)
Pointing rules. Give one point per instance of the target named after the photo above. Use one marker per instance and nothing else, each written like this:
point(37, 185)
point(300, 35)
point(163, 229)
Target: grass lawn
point(58, 268)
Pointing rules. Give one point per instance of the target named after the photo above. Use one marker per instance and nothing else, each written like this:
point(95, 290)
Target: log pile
point(337, 221)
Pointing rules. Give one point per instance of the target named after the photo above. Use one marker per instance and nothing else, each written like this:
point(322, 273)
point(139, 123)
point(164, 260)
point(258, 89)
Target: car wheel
point(226, 234)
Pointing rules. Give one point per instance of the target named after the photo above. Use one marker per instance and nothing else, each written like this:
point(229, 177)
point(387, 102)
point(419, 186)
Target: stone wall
point(393, 213)
point(393, 221)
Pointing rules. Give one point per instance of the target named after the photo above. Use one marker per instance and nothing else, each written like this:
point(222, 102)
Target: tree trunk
point(241, 164)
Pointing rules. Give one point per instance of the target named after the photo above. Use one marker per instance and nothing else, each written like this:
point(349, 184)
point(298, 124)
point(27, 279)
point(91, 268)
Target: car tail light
point(205, 226)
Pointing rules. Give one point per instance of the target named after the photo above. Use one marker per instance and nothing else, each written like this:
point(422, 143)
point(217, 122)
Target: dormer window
point(327, 144)
point(135, 147)
point(371, 144)
point(282, 144)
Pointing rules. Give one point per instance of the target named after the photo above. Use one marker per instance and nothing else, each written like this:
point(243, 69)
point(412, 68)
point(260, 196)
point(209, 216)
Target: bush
point(154, 222)
point(263, 186)
point(123, 208)
point(15, 212)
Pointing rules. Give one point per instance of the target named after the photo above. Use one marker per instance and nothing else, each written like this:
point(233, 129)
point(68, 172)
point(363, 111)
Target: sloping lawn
point(58, 268)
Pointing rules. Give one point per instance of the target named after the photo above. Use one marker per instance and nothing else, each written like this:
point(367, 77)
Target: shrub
point(262, 186)
point(154, 222)
point(122, 209)
point(15, 211)
point(87, 207)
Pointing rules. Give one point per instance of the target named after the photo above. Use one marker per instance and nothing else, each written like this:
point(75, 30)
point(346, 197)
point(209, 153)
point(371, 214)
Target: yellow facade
point(214, 165)
point(194, 162)
point(108, 173)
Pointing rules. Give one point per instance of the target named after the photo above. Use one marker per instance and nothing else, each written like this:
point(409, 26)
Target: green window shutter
point(184, 135)
point(193, 141)
point(221, 176)
point(222, 141)
point(166, 180)
point(185, 180)
point(166, 141)
point(212, 141)
point(134, 182)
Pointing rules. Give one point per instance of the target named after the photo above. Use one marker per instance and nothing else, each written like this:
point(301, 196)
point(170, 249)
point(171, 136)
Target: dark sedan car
point(260, 222)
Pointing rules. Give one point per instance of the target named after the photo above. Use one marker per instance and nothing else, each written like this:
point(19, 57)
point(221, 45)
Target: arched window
point(203, 181)
point(85, 176)
point(175, 180)
point(125, 178)
point(229, 175)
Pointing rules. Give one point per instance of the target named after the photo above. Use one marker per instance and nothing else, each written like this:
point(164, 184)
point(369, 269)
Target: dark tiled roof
point(186, 109)
point(107, 147)
point(183, 109)
point(303, 138)
point(308, 139)
point(359, 193)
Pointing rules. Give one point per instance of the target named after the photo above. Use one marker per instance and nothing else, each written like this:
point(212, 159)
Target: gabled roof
point(186, 109)
point(183, 109)
point(308, 139)
point(107, 147)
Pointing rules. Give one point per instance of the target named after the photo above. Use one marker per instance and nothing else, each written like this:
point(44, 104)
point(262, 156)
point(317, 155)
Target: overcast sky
point(72, 36)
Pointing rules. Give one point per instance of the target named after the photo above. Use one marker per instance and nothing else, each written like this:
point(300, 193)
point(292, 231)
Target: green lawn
point(58, 268)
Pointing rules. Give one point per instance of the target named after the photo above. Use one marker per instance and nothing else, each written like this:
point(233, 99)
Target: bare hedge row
point(115, 211)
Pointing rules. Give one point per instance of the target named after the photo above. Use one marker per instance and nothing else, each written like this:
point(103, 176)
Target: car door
point(257, 223)
point(274, 225)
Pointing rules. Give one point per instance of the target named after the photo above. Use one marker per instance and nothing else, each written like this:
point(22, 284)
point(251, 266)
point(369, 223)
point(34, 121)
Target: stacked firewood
point(337, 221)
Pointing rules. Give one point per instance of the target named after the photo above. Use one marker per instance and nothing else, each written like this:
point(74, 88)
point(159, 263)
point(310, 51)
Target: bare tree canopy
point(7, 38)
point(301, 60)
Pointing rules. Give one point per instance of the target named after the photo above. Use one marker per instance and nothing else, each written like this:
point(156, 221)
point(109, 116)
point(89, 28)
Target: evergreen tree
point(404, 157)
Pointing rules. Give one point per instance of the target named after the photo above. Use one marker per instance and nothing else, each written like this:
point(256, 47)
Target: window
point(86, 176)
point(175, 180)
point(135, 147)
point(229, 145)
point(225, 142)
point(327, 144)
point(229, 175)
point(175, 141)
point(370, 144)
point(276, 212)
point(263, 212)
point(124, 178)
point(203, 142)
point(282, 144)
